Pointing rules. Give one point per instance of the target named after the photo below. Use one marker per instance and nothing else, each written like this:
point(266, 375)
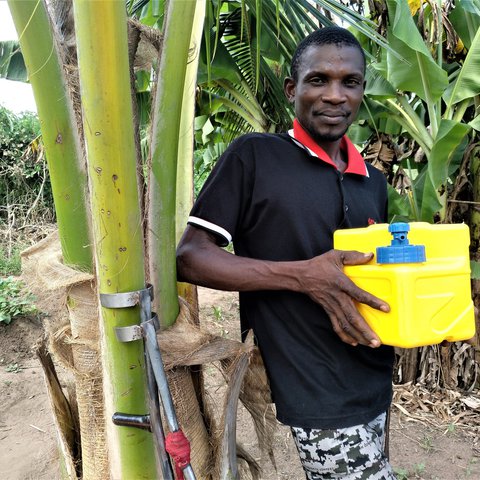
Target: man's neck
point(339, 157)
point(331, 147)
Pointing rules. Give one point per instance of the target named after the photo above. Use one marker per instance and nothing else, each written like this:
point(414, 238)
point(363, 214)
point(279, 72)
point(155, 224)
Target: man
point(280, 197)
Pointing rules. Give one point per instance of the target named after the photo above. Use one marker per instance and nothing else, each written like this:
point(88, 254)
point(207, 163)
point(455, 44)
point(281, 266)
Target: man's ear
point(289, 89)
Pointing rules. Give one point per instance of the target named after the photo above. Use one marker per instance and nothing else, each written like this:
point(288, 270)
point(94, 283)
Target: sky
point(16, 96)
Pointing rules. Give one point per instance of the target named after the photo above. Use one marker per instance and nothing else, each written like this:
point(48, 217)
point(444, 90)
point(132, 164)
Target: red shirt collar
point(356, 164)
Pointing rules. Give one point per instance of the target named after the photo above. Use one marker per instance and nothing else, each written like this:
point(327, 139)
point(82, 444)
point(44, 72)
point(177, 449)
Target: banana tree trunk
point(167, 111)
point(101, 30)
point(59, 130)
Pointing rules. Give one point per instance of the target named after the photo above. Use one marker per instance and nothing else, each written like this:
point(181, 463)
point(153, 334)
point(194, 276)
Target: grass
point(401, 473)
point(427, 443)
point(470, 466)
point(13, 368)
point(217, 313)
point(405, 474)
point(219, 319)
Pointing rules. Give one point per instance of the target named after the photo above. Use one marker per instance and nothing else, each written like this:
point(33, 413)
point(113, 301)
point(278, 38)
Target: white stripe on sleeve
point(210, 226)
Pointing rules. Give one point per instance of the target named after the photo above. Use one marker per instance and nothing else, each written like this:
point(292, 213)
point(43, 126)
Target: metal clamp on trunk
point(125, 299)
point(135, 332)
point(143, 298)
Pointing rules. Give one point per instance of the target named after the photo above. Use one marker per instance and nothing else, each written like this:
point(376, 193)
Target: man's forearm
point(203, 263)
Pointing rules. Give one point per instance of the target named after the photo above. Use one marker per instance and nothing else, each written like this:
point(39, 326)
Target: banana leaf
point(466, 84)
point(443, 161)
point(449, 137)
point(465, 18)
point(221, 67)
point(475, 123)
point(475, 269)
point(398, 206)
point(471, 6)
point(377, 85)
point(419, 73)
point(428, 200)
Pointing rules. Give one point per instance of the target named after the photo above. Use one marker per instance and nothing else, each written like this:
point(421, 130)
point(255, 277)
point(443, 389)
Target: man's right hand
point(326, 283)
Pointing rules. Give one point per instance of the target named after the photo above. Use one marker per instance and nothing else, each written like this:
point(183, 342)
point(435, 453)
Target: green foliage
point(424, 101)
point(405, 474)
point(14, 300)
point(12, 65)
point(13, 368)
point(475, 270)
point(209, 146)
point(217, 313)
point(10, 263)
point(24, 181)
point(401, 473)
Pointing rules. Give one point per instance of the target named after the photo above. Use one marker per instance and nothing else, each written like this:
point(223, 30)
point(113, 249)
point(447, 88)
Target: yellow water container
point(423, 273)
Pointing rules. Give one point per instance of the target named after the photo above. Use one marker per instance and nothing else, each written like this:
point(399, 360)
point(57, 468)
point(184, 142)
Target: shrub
point(25, 190)
point(14, 300)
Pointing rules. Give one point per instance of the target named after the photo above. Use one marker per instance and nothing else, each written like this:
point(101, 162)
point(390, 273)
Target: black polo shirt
point(276, 200)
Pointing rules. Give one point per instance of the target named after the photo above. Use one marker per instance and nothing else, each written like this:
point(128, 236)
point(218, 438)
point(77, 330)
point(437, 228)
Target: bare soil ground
point(422, 447)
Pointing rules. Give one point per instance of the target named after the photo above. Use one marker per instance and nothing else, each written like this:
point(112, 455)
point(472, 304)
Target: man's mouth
point(331, 113)
point(331, 116)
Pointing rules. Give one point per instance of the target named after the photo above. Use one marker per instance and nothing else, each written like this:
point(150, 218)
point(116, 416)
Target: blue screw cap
point(400, 250)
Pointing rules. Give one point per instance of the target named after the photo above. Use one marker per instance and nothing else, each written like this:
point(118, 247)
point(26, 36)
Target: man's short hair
point(331, 35)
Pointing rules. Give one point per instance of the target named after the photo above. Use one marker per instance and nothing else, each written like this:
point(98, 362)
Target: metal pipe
point(156, 424)
point(128, 420)
point(162, 384)
point(155, 418)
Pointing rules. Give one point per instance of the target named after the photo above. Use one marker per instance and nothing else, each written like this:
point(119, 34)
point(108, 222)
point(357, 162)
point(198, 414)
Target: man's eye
point(352, 82)
point(316, 80)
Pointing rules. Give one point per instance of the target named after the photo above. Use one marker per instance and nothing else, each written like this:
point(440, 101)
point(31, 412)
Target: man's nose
point(334, 93)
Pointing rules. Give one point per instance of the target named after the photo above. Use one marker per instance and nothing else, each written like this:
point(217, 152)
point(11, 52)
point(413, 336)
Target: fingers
point(341, 332)
point(347, 322)
point(351, 325)
point(352, 257)
point(332, 289)
point(362, 296)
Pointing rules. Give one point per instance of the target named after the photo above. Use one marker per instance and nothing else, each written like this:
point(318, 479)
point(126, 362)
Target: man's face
point(328, 91)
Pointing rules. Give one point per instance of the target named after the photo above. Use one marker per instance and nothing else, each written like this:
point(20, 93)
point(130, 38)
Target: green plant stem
point(65, 162)
point(413, 198)
point(461, 109)
point(185, 183)
point(438, 104)
point(184, 195)
point(161, 236)
point(101, 32)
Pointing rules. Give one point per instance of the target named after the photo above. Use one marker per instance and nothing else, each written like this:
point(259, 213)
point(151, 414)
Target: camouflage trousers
point(353, 453)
